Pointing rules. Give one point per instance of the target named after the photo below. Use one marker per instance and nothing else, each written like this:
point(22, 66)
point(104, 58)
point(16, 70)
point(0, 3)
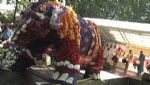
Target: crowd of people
point(6, 31)
point(127, 58)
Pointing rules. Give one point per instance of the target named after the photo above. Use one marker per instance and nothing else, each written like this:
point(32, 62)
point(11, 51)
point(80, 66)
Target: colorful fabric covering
point(80, 39)
point(44, 23)
point(90, 43)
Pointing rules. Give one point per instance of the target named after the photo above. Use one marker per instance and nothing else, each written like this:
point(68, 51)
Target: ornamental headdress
point(55, 2)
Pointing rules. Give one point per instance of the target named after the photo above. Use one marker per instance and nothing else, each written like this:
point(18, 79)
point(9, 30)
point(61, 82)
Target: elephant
point(78, 42)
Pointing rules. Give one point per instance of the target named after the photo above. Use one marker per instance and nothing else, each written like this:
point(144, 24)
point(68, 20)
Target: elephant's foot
point(96, 75)
point(64, 78)
point(93, 76)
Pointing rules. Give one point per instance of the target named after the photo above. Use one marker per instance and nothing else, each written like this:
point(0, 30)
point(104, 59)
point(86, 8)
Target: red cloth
point(70, 52)
point(100, 62)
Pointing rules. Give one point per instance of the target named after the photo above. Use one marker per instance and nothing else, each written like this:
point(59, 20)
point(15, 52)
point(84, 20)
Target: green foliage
point(126, 10)
point(8, 55)
point(19, 6)
point(6, 18)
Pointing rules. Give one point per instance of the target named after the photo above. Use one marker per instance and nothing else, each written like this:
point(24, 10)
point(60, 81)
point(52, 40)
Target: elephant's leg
point(87, 73)
point(64, 78)
point(90, 73)
point(66, 75)
point(94, 70)
point(98, 64)
point(67, 65)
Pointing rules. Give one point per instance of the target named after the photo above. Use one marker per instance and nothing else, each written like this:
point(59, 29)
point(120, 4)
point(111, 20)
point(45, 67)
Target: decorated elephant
point(77, 41)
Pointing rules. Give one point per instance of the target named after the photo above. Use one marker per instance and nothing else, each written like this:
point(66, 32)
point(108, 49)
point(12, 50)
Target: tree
point(19, 5)
point(126, 10)
point(16, 6)
point(6, 18)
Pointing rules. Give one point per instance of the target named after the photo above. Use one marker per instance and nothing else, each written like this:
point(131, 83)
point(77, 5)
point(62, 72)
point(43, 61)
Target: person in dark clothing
point(140, 67)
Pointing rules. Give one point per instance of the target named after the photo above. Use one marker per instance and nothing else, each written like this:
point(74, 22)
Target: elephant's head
point(43, 20)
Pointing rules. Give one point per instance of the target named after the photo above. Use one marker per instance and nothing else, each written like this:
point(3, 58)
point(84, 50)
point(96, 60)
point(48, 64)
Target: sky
point(6, 7)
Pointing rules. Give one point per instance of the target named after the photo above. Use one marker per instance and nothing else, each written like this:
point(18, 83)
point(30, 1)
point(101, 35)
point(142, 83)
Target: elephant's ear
point(69, 33)
point(70, 26)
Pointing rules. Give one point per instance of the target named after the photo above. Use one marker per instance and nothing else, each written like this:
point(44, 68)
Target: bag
point(136, 63)
point(114, 58)
point(124, 60)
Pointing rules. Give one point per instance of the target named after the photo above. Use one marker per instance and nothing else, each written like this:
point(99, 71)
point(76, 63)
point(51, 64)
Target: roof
point(132, 33)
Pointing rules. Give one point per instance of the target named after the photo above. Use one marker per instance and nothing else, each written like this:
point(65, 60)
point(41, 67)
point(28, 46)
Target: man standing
point(127, 60)
point(140, 68)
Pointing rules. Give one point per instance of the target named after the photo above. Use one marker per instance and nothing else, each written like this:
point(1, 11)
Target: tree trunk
point(16, 6)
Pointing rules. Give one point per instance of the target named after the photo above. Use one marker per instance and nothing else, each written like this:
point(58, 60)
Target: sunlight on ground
point(105, 75)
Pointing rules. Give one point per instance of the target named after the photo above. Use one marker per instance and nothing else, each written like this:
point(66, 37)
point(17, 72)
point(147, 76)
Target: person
point(135, 61)
point(6, 36)
point(115, 61)
point(127, 60)
point(107, 66)
point(8, 32)
point(116, 56)
point(148, 66)
point(107, 54)
point(140, 67)
point(46, 58)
